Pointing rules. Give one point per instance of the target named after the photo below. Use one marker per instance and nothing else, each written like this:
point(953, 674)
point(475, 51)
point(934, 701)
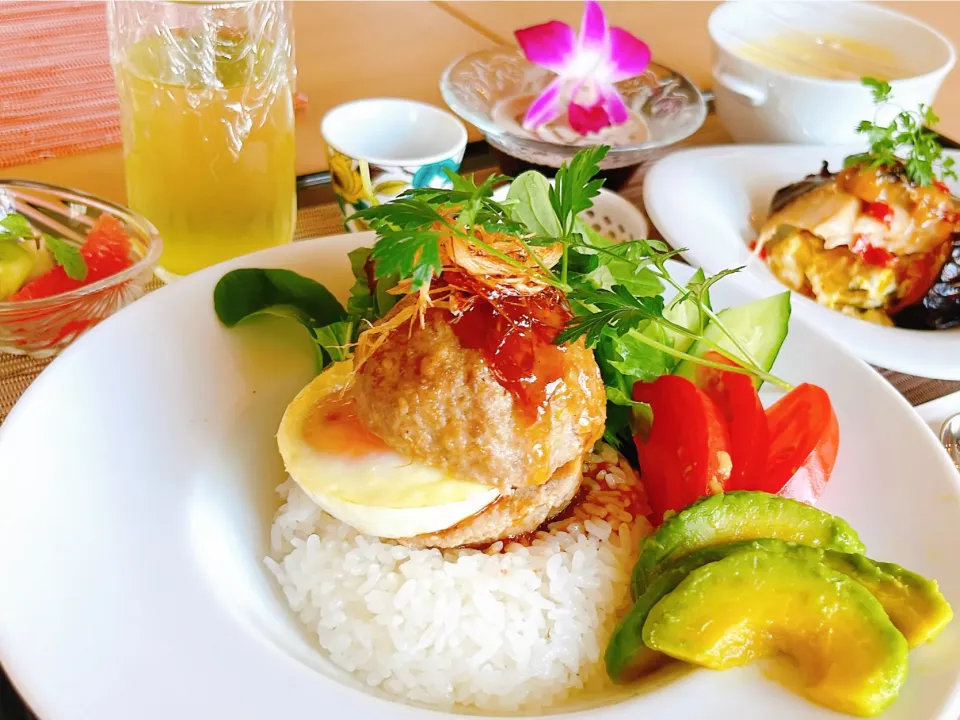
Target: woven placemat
point(56, 87)
point(57, 95)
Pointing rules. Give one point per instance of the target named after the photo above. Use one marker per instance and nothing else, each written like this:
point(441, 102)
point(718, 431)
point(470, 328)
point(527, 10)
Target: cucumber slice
point(15, 266)
point(760, 326)
point(685, 314)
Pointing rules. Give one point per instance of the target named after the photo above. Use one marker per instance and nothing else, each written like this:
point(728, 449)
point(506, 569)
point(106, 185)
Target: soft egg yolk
point(329, 452)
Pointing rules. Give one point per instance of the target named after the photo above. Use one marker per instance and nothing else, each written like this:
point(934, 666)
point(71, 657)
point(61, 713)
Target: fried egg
point(356, 477)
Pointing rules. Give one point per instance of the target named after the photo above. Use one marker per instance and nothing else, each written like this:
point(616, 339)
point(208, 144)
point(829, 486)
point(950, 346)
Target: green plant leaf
point(881, 89)
point(639, 361)
point(335, 341)
point(249, 291)
point(360, 302)
point(68, 256)
point(529, 198)
point(15, 227)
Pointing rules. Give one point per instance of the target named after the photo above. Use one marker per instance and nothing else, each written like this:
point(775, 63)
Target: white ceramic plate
point(713, 200)
point(137, 481)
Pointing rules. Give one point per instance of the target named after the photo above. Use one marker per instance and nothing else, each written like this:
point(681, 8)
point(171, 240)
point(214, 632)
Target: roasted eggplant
point(940, 307)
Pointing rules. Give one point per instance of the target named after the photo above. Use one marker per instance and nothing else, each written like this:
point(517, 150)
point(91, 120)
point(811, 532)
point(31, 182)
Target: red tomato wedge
point(686, 454)
point(737, 400)
point(804, 440)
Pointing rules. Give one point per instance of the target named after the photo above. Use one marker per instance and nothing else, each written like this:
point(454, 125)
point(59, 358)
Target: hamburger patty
point(509, 515)
point(437, 402)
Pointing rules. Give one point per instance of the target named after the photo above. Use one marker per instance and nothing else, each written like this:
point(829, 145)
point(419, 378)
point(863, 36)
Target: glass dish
point(43, 326)
point(477, 86)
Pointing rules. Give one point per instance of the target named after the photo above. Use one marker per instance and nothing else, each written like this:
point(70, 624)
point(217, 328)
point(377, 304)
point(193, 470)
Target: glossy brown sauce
point(333, 426)
point(515, 334)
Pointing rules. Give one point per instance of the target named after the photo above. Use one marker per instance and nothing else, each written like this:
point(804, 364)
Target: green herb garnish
point(409, 228)
point(243, 294)
point(68, 256)
point(14, 227)
point(906, 141)
point(615, 289)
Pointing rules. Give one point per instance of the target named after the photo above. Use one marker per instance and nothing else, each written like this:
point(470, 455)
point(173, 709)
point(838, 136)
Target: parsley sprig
point(410, 227)
point(906, 140)
point(614, 288)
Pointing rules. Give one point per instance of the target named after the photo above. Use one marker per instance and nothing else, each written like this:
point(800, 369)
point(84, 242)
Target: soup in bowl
point(790, 72)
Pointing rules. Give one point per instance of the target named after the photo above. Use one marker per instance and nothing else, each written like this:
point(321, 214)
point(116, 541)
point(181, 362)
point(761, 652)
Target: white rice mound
point(518, 628)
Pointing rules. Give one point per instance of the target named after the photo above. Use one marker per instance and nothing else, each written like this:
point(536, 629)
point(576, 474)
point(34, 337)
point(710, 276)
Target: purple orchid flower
point(587, 68)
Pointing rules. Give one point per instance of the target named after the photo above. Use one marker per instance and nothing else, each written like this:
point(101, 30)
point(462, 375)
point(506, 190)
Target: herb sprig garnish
point(410, 227)
point(14, 227)
point(907, 140)
point(614, 288)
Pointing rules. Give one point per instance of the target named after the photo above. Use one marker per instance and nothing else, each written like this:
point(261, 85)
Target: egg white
point(383, 493)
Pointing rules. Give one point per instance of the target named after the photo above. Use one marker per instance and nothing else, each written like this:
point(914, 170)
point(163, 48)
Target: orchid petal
point(628, 56)
point(548, 106)
point(613, 104)
point(593, 30)
point(585, 120)
point(552, 45)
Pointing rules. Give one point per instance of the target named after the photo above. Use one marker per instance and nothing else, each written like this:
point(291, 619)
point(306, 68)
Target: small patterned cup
point(380, 147)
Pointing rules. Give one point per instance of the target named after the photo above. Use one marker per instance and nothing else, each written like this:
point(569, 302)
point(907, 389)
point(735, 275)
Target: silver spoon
point(950, 438)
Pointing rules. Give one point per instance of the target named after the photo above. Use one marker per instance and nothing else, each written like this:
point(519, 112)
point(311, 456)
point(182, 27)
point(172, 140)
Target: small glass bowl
point(42, 327)
point(474, 87)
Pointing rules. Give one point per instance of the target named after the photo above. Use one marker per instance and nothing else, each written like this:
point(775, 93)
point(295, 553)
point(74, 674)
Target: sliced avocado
point(42, 259)
point(740, 515)
point(915, 604)
point(15, 266)
point(756, 603)
point(627, 658)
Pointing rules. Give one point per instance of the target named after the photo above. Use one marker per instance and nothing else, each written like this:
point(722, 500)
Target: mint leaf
point(14, 227)
point(68, 256)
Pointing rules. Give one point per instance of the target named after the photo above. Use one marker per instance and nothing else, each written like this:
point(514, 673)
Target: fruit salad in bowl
point(67, 261)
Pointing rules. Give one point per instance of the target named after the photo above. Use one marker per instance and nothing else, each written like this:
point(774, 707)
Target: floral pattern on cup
point(386, 182)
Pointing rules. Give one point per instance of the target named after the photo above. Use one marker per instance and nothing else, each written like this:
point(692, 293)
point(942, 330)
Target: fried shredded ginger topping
point(468, 270)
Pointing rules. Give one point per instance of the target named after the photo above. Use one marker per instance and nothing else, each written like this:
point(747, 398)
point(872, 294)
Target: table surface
point(352, 50)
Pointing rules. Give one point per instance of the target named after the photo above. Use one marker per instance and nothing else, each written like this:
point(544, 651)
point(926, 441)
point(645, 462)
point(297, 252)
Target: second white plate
point(712, 200)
